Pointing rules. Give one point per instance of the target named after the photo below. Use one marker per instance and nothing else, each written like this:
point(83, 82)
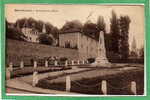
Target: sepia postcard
point(79, 50)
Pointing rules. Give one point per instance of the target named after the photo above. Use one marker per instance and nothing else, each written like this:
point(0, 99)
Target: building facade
point(85, 45)
point(32, 34)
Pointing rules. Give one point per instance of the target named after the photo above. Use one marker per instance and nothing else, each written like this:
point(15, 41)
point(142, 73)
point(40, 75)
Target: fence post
point(55, 63)
point(21, 64)
point(35, 79)
point(87, 61)
point(66, 63)
point(8, 73)
point(72, 62)
point(104, 87)
point(68, 83)
point(83, 62)
point(78, 62)
point(133, 87)
point(11, 66)
point(35, 64)
point(46, 63)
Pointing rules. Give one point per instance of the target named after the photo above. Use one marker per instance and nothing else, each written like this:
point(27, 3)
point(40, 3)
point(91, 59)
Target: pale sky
point(59, 14)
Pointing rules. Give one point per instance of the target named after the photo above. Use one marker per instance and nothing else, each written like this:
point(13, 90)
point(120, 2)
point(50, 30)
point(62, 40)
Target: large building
point(86, 45)
point(32, 34)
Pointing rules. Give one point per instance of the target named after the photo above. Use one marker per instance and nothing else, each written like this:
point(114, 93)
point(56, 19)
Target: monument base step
point(101, 64)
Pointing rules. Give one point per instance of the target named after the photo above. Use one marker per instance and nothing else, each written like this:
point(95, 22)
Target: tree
point(6, 25)
point(55, 32)
point(124, 36)
point(101, 24)
point(45, 39)
point(48, 27)
point(114, 31)
point(72, 26)
point(107, 42)
point(133, 48)
point(142, 52)
point(90, 28)
point(31, 22)
point(39, 25)
point(14, 33)
point(20, 22)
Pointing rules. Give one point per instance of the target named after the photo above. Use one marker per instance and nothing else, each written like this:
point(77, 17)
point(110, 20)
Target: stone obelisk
point(101, 60)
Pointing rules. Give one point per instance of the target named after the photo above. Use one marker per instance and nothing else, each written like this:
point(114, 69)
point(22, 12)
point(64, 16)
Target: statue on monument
point(101, 60)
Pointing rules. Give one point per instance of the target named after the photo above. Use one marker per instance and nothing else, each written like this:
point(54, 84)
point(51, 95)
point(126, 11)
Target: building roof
point(70, 30)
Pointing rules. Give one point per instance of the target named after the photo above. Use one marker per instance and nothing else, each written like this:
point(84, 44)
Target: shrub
point(91, 60)
point(14, 33)
point(45, 39)
point(63, 59)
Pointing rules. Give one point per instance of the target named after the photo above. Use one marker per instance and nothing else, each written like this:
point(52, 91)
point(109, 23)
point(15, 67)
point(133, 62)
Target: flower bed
point(29, 70)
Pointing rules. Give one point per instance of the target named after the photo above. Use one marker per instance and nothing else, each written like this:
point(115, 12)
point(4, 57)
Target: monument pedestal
point(99, 62)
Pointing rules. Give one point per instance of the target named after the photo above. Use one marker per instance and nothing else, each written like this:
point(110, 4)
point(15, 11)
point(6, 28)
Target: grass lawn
point(89, 82)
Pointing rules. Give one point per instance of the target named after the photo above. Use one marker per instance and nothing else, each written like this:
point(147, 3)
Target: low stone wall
point(19, 50)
